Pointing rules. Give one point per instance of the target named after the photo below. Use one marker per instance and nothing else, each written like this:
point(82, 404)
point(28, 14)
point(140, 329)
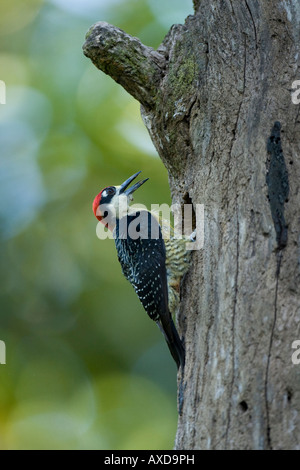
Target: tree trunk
point(216, 99)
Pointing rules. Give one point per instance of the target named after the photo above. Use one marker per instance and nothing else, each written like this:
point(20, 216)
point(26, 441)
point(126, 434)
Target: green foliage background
point(86, 368)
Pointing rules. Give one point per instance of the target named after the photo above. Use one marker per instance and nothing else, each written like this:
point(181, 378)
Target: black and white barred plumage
point(143, 262)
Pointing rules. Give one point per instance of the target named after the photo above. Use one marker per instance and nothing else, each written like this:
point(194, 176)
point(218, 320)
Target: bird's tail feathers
point(173, 341)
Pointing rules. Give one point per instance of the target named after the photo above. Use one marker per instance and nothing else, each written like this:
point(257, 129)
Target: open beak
point(123, 188)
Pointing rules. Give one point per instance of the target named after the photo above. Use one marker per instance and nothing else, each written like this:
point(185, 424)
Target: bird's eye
point(111, 190)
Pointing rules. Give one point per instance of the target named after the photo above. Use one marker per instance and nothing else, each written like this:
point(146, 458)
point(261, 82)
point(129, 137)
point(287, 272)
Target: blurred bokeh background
point(86, 368)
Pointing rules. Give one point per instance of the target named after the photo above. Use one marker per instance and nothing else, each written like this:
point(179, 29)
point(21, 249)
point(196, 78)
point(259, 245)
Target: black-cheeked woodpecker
point(152, 263)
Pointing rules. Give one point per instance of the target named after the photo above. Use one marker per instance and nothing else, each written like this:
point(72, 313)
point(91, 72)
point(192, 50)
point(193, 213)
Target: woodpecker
point(152, 263)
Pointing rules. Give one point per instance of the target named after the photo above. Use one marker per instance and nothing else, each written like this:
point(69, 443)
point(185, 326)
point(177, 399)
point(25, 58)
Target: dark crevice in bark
point(233, 322)
point(254, 27)
point(196, 404)
point(181, 389)
point(289, 395)
point(206, 355)
point(241, 103)
point(190, 224)
point(237, 255)
point(278, 184)
point(232, 7)
point(243, 406)
point(278, 191)
point(268, 430)
point(296, 119)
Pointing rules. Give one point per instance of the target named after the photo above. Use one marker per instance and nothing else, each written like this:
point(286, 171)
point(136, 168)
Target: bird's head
point(113, 201)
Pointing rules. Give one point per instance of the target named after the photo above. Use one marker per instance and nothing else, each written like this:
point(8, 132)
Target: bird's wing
point(149, 271)
point(152, 289)
point(143, 262)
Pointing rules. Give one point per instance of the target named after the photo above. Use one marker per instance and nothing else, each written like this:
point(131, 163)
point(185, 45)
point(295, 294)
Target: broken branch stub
point(138, 68)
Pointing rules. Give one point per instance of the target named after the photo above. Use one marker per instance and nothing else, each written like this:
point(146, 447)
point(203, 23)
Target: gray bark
point(216, 99)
